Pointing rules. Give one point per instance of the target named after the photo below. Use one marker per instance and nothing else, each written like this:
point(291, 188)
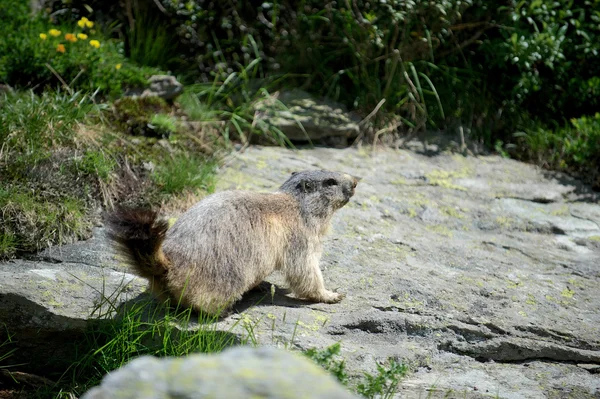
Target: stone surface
point(47, 301)
point(240, 372)
point(480, 273)
point(165, 86)
point(301, 117)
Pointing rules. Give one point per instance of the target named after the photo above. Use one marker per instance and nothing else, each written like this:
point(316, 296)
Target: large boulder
point(302, 117)
point(241, 372)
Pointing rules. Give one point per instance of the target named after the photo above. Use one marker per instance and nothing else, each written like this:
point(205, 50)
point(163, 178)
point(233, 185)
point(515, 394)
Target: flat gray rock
point(480, 273)
point(241, 372)
point(47, 302)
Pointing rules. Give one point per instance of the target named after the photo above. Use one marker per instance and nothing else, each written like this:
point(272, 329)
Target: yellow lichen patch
point(575, 282)
point(562, 211)
point(443, 178)
point(594, 238)
point(374, 199)
point(366, 282)
point(406, 302)
point(530, 300)
point(400, 182)
point(441, 230)
point(452, 212)
point(261, 164)
point(567, 293)
point(522, 313)
point(513, 284)
point(504, 222)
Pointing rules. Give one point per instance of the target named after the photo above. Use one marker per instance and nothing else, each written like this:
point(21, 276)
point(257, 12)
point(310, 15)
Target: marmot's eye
point(329, 183)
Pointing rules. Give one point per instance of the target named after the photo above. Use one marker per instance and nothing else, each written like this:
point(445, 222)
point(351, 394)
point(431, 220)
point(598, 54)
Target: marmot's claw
point(334, 297)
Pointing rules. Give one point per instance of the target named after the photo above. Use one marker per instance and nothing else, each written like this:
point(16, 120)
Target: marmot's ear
point(294, 173)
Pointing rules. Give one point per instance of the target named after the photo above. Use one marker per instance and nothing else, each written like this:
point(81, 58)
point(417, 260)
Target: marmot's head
point(320, 192)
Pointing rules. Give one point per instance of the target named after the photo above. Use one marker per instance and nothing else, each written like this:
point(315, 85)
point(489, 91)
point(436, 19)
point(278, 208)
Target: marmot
point(230, 241)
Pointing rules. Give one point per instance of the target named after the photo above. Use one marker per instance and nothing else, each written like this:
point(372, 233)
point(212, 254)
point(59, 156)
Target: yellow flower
point(43, 36)
point(118, 66)
point(82, 36)
point(70, 37)
point(95, 43)
point(54, 32)
point(61, 48)
point(84, 22)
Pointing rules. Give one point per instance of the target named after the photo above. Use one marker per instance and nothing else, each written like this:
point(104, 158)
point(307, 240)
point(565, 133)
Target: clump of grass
point(30, 222)
point(97, 163)
point(184, 172)
point(231, 98)
point(136, 329)
point(39, 197)
point(164, 124)
point(572, 148)
point(31, 125)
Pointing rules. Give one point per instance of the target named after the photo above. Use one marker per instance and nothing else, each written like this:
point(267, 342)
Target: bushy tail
point(139, 234)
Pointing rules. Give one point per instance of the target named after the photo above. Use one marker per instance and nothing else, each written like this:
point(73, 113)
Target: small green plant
point(327, 358)
point(164, 124)
point(385, 384)
point(97, 163)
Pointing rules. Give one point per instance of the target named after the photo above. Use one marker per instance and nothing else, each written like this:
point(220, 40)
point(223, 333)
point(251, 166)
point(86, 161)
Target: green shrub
point(573, 148)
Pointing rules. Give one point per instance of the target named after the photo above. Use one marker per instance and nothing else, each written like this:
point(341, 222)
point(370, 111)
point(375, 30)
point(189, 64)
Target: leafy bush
point(573, 148)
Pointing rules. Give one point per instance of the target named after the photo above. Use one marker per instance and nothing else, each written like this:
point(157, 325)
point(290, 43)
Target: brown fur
point(229, 242)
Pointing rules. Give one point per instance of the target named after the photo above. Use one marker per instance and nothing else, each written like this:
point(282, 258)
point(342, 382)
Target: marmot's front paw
point(333, 297)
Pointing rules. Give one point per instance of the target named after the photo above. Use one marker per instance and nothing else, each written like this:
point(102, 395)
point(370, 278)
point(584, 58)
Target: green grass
point(97, 163)
point(59, 162)
point(164, 123)
point(183, 172)
point(231, 98)
point(32, 124)
point(29, 221)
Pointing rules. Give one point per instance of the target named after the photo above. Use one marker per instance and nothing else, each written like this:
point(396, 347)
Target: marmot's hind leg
point(306, 280)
